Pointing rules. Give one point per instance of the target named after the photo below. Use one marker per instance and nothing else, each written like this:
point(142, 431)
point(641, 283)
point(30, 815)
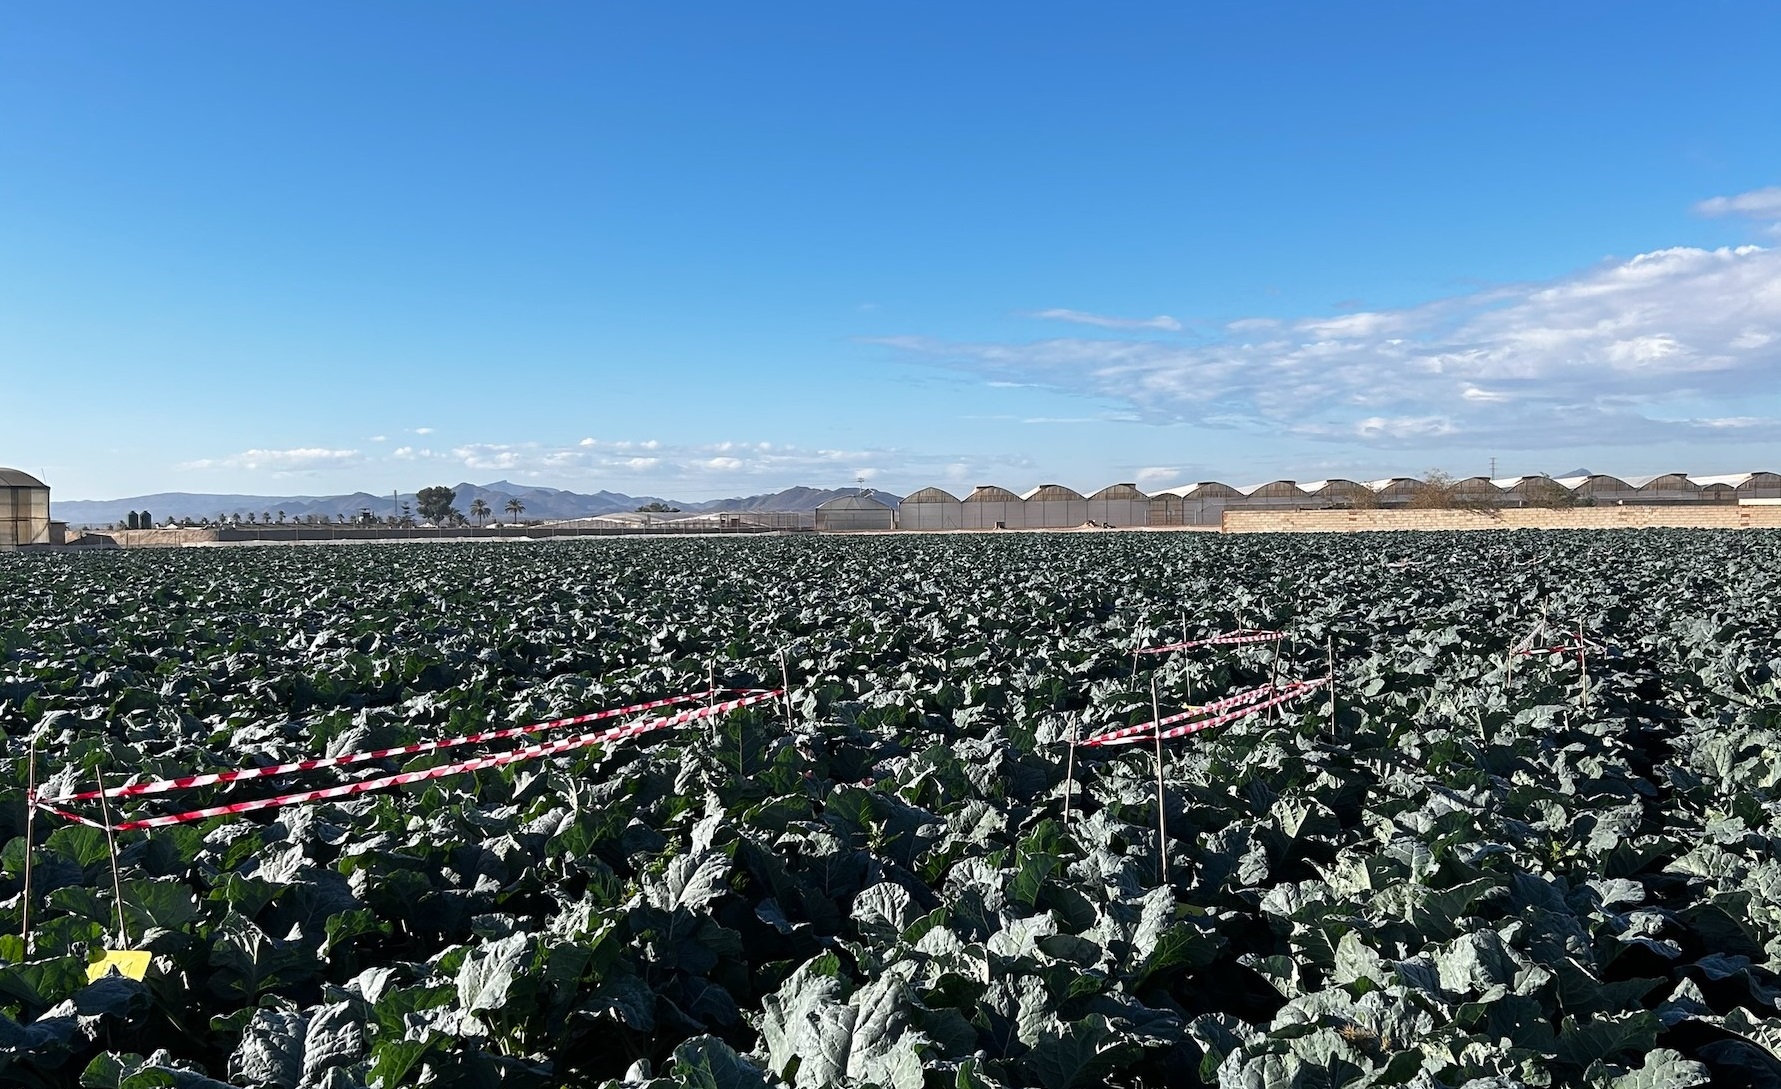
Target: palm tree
point(479, 510)
point(515, 507)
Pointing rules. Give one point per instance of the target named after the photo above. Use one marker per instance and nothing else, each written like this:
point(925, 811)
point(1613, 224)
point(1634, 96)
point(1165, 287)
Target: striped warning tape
point(187, 782)
point(1566, 648)
point(1239, 706)
point(1228, 639)
point(531, 752)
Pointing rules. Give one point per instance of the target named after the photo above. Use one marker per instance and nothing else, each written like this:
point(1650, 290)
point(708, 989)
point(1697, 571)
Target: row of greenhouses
point(1204, 503)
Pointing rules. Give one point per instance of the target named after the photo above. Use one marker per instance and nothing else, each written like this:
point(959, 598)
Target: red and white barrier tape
point(1565, 648)
point(187, 782)
point(1149, 728)
point(479, 763)
point(1132, 735)
point(1228, 639)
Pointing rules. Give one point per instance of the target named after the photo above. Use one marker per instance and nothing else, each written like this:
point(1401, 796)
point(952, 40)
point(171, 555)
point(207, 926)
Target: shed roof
point(930, 495)
point(1273, 487)
point(853, 502)
point(1332, 485)
point(1203, 489)
point(1052, 493)
point(1119, 491)
point(1575, 482)
point(990, 493)
point(1401, 483)
point(18, 478)
point(1735, 480)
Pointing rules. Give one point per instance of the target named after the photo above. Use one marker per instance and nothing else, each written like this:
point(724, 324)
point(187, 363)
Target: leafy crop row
point(1461, 879)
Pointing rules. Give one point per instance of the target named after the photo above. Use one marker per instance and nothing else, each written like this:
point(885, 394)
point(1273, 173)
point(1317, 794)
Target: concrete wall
point(1362, 521)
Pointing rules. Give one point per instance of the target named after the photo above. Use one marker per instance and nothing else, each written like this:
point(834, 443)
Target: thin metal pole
point(1582, 663)
point(30, 842)
point(1070, 771)
point(1162, 812)
point(1274, 712)
point(785, 687)
point(1332, 683)
point(117, 884)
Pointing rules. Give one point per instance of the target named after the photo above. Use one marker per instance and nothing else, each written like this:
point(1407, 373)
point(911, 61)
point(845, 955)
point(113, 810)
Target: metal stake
point(1274, 681)
point(30, 841)
point(1332, 652)
point(1582, 664)
point(117, 884)
point(1070, 772)
point(785, 688)
point(1162, 812)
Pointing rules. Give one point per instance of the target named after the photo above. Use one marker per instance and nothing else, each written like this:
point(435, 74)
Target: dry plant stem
point(1162, 813)
point(30, 827)
point(117, 884)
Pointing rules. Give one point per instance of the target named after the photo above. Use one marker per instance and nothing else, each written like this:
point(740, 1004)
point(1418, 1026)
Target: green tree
point(657, 507)
point(435, 503)
point(515, 508)
point(479, 510)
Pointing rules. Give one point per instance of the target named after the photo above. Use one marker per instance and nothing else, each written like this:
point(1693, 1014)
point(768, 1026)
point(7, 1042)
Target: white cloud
point(1587, 358)
point(1162, 321)
point(423, 431)
point(1155, 474)
point(302, 459)
point(1762, 204)
point(378, 438)
point(755, 465)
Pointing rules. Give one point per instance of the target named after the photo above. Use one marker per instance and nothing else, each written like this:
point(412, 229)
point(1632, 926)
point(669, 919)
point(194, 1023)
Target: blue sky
point(714, 249)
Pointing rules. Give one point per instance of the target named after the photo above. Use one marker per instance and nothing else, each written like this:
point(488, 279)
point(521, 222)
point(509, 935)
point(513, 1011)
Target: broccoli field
point(1469, 876)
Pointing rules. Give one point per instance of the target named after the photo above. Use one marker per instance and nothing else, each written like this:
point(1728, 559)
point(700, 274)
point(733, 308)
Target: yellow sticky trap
point(127, 962)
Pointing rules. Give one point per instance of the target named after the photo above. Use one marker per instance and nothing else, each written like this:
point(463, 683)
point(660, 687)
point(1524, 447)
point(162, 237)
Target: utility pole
point(1493, 468)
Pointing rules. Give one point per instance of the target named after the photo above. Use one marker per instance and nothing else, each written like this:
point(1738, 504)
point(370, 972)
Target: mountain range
point(541, 504)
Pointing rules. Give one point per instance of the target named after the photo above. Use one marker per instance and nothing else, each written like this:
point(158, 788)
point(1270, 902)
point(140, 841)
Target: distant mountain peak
point(541, 504)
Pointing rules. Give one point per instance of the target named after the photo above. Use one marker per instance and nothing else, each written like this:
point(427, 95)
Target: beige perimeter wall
point(1361, 521)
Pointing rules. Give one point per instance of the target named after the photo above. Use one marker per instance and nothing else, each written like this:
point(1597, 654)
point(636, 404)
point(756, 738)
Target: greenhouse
point(1738, 486)
point(1396, 491)
point(855, 512)
point(1053, 506)
point(24, 509)
point(990, 507)
point(1666, 488)
point(1600, 488)
point(931, 508)
point(1198, 504)
point(1119, 505)
point(1337, 492)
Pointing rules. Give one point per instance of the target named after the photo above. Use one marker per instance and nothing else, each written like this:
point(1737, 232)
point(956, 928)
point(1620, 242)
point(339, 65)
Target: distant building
point(854, 512)
point(931, 508)
point(24, 510)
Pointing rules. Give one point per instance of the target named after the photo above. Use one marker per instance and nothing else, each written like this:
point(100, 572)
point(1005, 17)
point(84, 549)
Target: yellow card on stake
point(126, 962)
